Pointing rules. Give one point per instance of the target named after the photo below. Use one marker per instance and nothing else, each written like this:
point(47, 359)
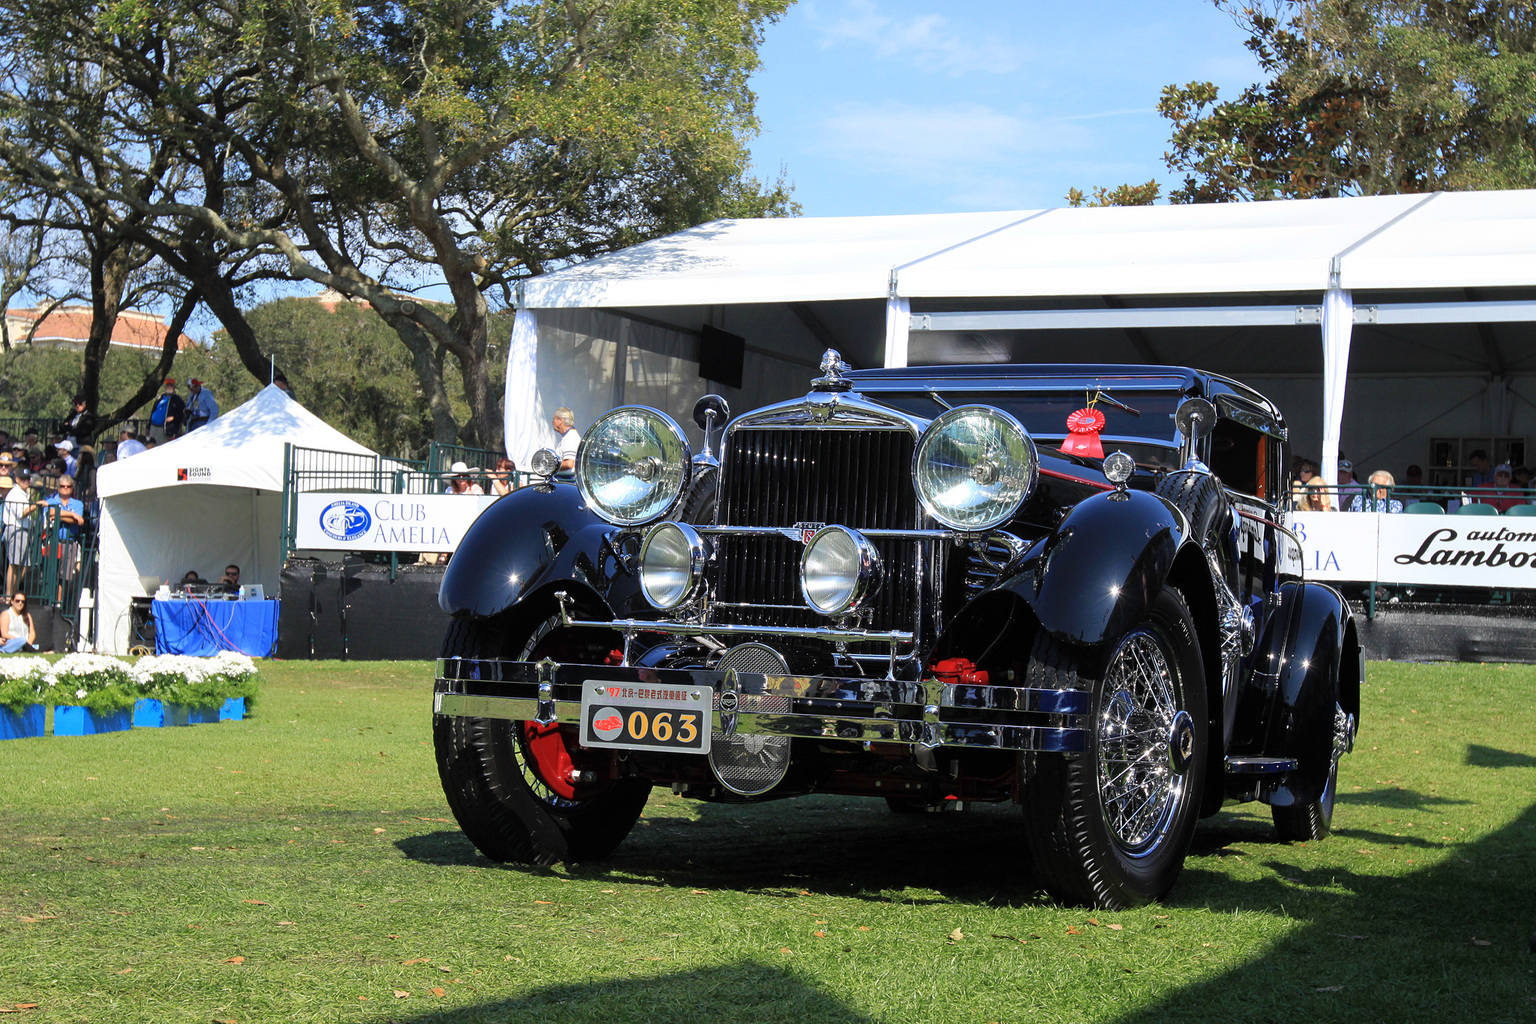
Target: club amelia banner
point(1450, 550)
point(343, 521)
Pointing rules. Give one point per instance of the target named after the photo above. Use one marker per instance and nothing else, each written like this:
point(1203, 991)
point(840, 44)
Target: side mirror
point(707, 413)
point(1195, 419)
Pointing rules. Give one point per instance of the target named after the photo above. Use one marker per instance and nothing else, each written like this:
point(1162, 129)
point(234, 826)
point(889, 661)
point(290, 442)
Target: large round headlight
point(838, 570)
point(632, 465)
point(974, 466)
point(672, 564)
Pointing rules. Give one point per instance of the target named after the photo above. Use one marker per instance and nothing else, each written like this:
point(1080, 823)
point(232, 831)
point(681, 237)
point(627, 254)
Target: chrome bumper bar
point(925, 714)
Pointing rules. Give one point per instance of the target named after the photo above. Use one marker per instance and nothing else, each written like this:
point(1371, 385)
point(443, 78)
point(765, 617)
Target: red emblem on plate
point(1083, 429)
point(607, 723)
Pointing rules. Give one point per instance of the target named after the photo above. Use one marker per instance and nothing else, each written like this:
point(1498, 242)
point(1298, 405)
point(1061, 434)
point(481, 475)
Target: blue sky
point(914, 106)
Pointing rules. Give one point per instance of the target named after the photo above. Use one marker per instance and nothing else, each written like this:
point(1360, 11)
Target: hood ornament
point(832, 379)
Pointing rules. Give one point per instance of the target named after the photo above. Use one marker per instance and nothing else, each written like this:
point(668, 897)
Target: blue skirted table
point(202, 628)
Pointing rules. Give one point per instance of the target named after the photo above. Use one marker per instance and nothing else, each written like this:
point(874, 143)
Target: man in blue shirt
point(201, 406)
point(68, 512)
point(166, 418)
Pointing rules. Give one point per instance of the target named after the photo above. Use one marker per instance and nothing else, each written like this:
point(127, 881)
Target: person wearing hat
point(459, 481)
point(128, 443)
point(202, 408)
point(33, 446)
point(66, 450)
point(1502, 493)
point(1349, 487)
point(18, 528)
point(169, 413)
point(79, 426)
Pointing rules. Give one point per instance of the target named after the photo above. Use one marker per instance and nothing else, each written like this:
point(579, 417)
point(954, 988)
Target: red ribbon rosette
point(1083, 429)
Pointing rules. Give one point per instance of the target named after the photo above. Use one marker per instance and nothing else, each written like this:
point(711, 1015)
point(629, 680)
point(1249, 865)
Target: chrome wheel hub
point(1145, 745)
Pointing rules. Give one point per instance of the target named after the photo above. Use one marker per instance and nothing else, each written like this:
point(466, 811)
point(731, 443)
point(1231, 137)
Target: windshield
point(1044, 413)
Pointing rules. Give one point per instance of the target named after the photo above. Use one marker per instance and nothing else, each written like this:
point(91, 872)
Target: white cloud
point(927, 41)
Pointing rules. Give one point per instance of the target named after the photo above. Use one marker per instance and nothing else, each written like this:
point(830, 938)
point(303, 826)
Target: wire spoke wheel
point(1110, 827)
point(1139, 790)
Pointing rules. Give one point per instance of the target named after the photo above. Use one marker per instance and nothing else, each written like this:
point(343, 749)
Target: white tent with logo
point(207, 499)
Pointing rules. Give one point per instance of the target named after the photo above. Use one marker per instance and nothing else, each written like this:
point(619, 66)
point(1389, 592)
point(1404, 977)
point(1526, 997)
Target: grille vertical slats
point(777, 478)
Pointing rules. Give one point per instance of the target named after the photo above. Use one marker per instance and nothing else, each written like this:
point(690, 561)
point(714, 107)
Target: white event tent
point(1378, 321)
point(207, 499)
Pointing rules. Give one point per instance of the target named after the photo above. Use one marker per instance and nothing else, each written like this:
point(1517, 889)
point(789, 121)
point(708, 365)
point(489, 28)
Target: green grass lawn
point(302, 866)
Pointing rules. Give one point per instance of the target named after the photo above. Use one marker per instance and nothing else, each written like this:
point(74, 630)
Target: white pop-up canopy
point(1422, 303)
point(205, 500)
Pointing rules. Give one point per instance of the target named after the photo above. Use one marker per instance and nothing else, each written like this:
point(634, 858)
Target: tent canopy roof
point(242, 448)
point(1435, 241)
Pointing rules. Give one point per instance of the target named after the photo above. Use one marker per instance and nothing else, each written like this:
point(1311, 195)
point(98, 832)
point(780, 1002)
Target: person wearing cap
point(202, 408)
point(459, 481)
point(1502, 494)
point(66, 450)
point(128, 443)
point(170, 411)
point(79, 426)
point(564, 422)
point(33, 446)
point(18, 528)
point(1349, 487)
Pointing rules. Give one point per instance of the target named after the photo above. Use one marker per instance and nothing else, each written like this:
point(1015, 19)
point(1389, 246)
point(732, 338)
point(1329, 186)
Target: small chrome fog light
point(544, 463)
point(839, 570)
point(672, 564)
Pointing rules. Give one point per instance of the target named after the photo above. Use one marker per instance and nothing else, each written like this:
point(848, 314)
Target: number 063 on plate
point(628, 716)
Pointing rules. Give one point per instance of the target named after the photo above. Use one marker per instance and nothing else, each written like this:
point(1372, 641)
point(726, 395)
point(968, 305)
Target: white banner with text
point(342, 521)
point(1450, 551)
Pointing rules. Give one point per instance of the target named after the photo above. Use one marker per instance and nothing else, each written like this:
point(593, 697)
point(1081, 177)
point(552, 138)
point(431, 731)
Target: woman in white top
point(17, 627)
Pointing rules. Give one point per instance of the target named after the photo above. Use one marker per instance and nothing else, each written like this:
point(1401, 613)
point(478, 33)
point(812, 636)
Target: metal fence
point(51, 574)
point(1484, 500)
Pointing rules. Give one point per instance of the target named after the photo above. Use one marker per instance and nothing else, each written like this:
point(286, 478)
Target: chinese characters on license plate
point(641, 716)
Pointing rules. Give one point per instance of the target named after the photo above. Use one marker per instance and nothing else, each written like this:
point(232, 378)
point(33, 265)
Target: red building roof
point(71, 325)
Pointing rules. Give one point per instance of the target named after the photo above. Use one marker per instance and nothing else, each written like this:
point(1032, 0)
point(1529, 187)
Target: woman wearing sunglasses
point(16, 627)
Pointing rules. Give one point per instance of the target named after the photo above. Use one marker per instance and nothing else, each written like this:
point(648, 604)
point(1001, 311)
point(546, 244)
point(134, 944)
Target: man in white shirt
point(564, 423)
point(128, 444)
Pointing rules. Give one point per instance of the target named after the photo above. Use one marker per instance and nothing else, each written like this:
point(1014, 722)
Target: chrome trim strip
point(924, 714)
point(718, 629)
point(794, 534)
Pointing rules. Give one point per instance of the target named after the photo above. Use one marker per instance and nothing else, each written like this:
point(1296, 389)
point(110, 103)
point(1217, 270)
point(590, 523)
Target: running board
point(1260, 765)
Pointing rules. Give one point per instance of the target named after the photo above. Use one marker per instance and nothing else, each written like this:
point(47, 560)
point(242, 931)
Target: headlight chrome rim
point(648, 478)
point(857, 558)
point(1018, 474)
point(689, 554)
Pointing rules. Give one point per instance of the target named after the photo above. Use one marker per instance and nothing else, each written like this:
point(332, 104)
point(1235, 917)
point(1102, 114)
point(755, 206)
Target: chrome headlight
point(632, 465)
point(838, 570)
point(973, 467)
point(672, 564)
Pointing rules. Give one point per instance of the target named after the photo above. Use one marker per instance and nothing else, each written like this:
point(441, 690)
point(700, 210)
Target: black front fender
point(1096, 576)
point(532, 538)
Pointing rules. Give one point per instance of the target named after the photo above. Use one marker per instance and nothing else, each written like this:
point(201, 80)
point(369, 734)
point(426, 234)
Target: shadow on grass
point(1448, 941)
point(1492, 757)
point(742, 993)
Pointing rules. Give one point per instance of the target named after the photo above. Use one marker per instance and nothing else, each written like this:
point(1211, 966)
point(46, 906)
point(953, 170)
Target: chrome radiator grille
point(859, 478)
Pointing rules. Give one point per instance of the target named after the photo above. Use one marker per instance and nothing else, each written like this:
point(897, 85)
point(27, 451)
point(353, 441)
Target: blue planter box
point(233, 710)
point(19, 727)
point(72, 720)
point(148, 713)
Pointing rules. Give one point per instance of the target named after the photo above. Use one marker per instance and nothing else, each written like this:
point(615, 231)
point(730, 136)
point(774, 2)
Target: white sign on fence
point(348, 521)
point(1450, 551)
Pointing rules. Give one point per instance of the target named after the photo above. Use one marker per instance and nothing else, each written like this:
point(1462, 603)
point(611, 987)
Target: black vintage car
point(1069, 587)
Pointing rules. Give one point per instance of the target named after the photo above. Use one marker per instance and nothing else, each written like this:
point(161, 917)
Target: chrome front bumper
point(926, 714)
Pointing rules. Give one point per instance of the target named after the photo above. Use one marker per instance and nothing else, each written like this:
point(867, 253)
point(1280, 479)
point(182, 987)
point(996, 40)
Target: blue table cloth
point(202, 628)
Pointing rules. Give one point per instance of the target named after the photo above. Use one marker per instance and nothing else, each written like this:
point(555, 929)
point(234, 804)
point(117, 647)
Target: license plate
point(636, 716)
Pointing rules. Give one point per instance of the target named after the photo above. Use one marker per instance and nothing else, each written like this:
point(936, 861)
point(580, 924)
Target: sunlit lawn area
point(301, 866)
